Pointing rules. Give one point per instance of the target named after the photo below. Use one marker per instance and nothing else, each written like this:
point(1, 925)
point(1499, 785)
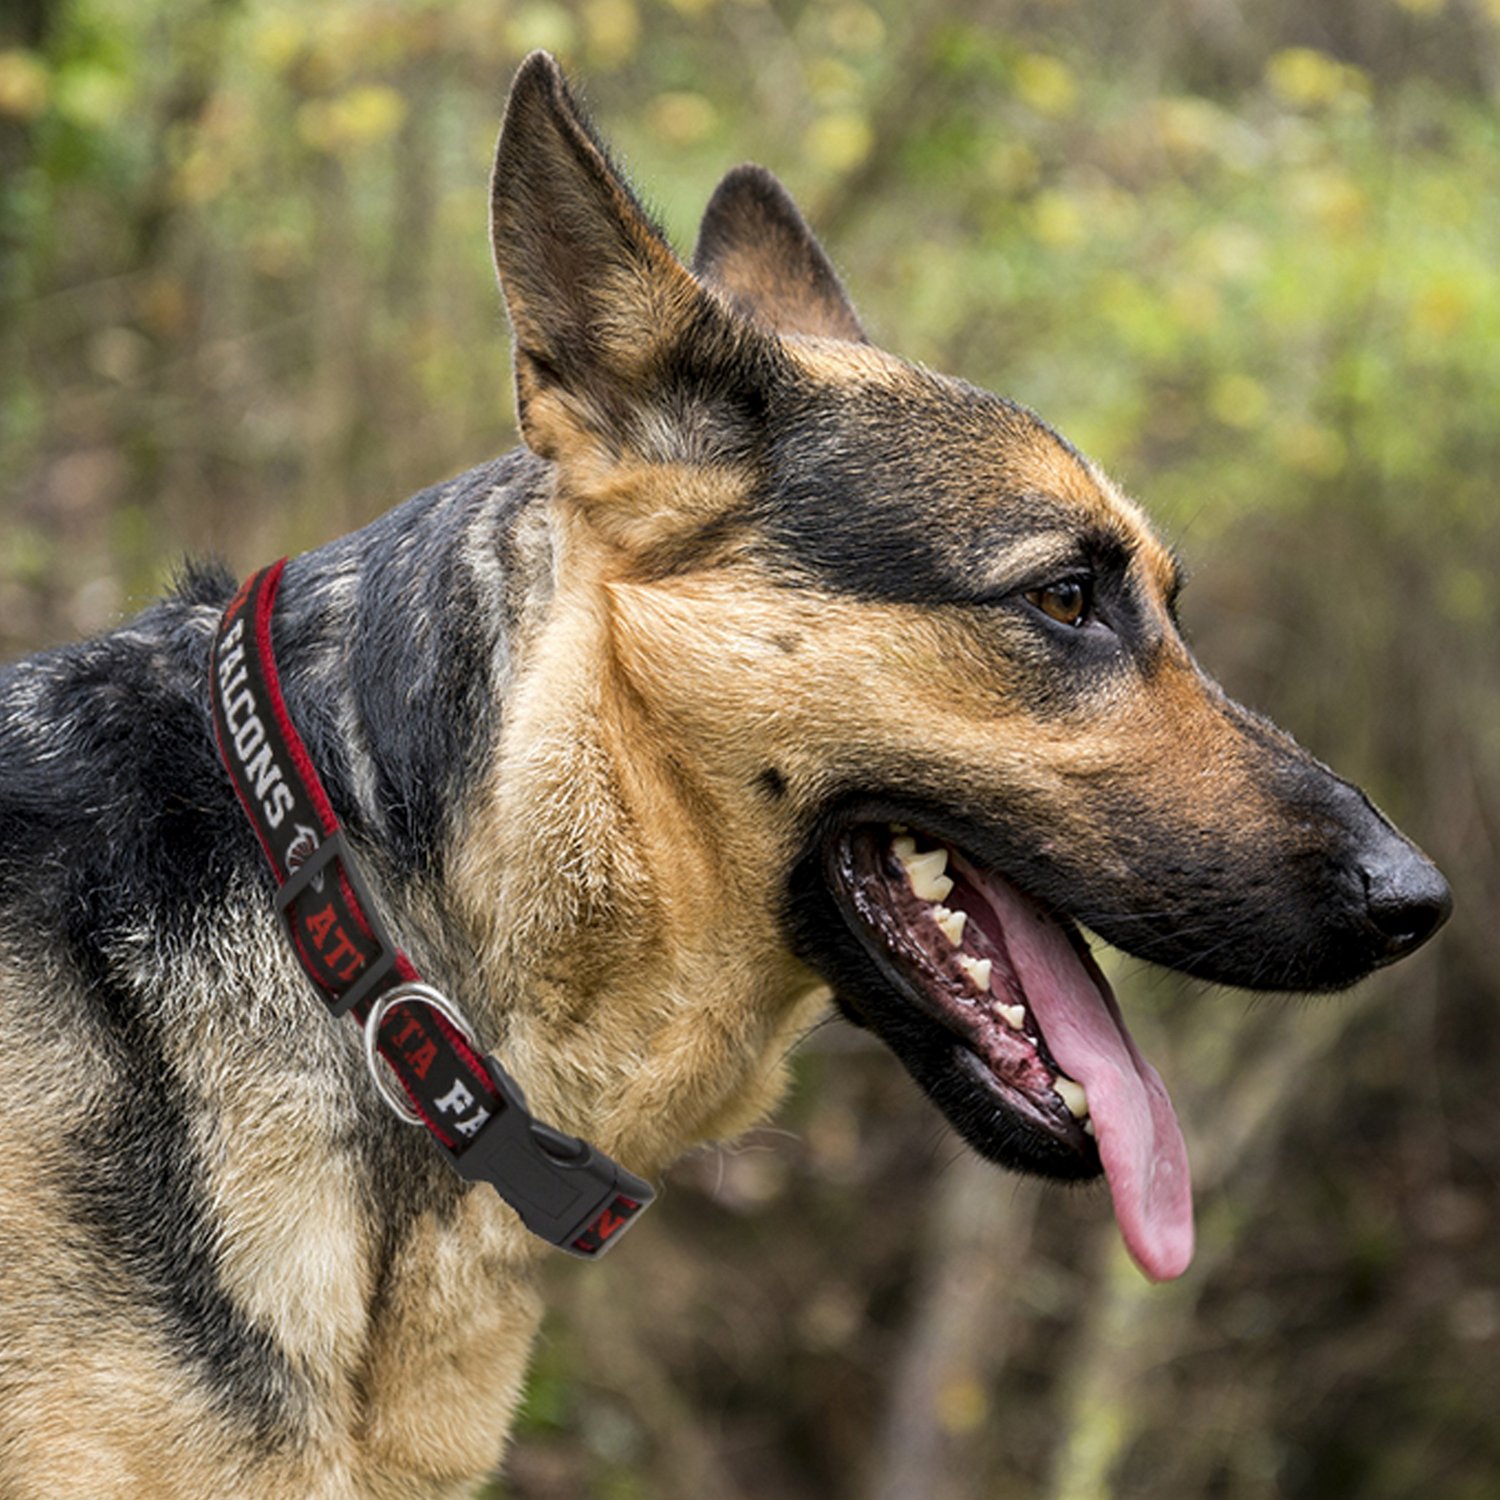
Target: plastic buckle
point(310, 874)
point(566, 1191)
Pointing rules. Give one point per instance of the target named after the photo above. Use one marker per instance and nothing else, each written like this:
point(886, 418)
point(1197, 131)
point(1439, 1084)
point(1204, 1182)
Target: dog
point(770, 667)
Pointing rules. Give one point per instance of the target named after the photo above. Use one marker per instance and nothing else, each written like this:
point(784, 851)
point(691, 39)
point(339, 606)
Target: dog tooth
point(1088, 1129)
point(950, 923)
point(1014, 1016)
point(899, 828)
point(925, 872)
point(935, 860)
point(904, 848)
point(1072, 1094)
point(978, 970)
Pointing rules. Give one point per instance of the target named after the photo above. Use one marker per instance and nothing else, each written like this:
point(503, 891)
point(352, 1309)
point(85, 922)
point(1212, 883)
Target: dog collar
point(565, 1190)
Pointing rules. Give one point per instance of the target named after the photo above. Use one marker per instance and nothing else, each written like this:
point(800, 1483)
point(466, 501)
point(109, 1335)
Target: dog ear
point(755, 247)
point(603, 311)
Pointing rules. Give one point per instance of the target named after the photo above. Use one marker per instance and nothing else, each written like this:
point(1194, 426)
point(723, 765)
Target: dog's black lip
point(1061, 1149)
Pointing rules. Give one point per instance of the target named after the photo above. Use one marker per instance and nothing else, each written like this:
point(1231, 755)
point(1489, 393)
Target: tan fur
point(631, 893)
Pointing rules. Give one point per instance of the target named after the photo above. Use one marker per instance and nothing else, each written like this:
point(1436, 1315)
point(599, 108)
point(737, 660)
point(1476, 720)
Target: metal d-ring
point(380, 1070)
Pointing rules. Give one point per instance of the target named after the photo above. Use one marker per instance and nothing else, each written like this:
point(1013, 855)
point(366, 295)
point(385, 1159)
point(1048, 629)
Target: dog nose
point(1406, 898)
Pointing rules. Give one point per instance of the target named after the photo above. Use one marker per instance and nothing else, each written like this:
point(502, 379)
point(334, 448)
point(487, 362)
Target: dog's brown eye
point(1067, 602)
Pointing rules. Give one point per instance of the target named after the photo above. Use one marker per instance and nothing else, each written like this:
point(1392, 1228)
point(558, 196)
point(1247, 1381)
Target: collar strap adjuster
point(341, 905)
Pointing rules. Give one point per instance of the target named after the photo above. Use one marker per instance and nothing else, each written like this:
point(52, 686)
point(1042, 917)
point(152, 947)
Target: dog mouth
point(999, 1011)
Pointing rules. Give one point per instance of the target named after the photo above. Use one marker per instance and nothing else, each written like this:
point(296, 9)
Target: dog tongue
point(1140, 1141)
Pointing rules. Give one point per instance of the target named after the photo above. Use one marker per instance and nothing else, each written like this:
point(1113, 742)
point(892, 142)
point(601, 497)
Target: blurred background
point(1245, 256)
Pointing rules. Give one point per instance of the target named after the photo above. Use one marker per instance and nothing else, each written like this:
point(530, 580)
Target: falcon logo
point(301, 850)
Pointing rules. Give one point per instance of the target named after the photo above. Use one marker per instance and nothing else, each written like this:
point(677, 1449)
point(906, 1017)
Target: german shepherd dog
point(771, 665)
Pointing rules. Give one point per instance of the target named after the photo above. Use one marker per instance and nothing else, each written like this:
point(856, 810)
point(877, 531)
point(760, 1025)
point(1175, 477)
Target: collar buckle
point(566, 1190)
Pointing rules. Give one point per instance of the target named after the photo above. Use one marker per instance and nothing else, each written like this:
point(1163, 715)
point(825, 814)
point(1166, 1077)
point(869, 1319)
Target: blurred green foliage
point(1245, 257)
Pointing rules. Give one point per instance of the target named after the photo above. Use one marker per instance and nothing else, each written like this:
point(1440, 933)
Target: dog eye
point(1066, 601)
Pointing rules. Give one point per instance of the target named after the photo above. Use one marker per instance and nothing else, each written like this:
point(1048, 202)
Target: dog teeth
point(925, 872)
point(978, 970)
point(1073, 1096)
point(950, 923)
point(933, 861)
point(1014, 1016)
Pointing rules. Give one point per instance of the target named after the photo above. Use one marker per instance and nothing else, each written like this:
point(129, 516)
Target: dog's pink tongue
point(1140, 1141)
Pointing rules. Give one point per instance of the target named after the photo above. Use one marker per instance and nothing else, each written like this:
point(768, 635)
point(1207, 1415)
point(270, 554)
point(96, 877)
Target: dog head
point(910, 666)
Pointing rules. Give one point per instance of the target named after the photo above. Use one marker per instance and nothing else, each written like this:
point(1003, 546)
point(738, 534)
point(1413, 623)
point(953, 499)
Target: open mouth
point(999, 1011)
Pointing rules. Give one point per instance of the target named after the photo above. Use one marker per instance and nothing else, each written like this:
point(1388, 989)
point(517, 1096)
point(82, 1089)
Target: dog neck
point(545, 856)
point(651, 994)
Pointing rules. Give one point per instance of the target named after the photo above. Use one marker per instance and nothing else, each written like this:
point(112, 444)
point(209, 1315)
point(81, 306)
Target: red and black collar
point(564, 1189)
